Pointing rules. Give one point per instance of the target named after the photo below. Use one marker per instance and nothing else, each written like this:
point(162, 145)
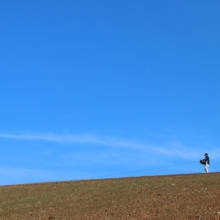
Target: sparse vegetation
point(193, 196)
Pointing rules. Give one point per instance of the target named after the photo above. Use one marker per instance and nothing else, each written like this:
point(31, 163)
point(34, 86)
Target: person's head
point(205, 154)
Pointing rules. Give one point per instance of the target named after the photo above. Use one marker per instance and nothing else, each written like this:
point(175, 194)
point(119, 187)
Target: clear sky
point(91, 88)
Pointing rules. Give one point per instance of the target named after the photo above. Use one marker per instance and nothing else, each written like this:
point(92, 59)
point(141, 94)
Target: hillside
point(191, 196)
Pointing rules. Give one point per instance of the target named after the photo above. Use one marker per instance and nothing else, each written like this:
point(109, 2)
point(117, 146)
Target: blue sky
point(94, 88)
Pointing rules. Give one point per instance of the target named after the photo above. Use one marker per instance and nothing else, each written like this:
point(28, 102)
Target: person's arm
point(206, 159)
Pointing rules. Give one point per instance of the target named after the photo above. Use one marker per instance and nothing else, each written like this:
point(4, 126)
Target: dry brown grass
point(192, 196)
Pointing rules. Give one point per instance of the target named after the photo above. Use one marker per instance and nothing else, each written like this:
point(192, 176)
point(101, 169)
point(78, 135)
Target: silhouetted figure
point(206, 162)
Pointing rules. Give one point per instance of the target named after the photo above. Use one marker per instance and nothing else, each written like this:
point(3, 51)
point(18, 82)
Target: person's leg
point(206, 168)
point(203, 163)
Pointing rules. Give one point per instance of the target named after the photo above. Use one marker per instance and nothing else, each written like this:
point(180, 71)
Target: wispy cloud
point(172, 148)
point(73, 139)
point(117, 153)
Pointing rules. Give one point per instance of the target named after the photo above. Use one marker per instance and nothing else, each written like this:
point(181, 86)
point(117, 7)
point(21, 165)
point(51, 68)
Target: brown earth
point(191, 196)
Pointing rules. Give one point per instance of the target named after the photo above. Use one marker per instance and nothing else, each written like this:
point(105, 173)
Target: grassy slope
point(193, 196)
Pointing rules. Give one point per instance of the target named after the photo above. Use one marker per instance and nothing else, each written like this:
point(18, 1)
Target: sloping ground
point(192, 196)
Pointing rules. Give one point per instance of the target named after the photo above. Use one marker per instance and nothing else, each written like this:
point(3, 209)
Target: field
point(191, 196)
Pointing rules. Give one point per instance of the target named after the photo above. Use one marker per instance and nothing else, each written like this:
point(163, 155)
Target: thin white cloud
point(144, 155)
point(75, 139)
point(173, 148)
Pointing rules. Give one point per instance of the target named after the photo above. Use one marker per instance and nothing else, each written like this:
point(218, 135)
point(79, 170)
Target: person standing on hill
point(206, 162)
